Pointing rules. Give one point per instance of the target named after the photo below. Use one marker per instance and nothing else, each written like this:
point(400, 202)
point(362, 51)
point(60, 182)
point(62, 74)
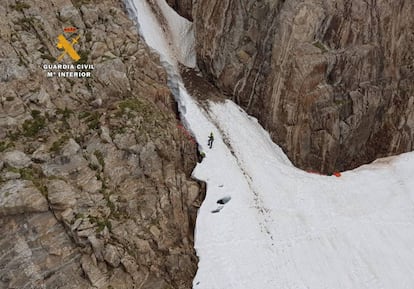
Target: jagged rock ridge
point(95, 187)
point(332, 81)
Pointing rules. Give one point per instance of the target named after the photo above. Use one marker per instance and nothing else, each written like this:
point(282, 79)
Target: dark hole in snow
point(224, 200)
point(217, 210)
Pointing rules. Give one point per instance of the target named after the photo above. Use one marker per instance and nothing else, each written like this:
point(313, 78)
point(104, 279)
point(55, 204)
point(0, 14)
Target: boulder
point(93, 273)
point(16, 159)
point(19, 197)
point(70, 14)
point(71, 148)
point(8, 175)
point(11, 69)
point(112, 256)
point(61, 195)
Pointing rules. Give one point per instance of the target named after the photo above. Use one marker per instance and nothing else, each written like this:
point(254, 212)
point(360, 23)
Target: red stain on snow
point(187, 133)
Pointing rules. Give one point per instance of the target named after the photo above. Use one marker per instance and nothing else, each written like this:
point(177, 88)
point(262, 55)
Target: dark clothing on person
point(200, 156)
point(210, 140)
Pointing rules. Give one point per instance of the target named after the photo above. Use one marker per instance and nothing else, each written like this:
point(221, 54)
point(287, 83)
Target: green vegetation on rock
point(91, 118)
point(57, 145)
point(79, 3)
point(100, 158)
point(319, 45)
point(20, 6)
point(48, 57)
point(32, 127)
point(5, 145)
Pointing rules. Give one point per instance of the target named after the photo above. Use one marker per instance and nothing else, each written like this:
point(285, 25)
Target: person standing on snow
point(210, 140)
point(200, 156)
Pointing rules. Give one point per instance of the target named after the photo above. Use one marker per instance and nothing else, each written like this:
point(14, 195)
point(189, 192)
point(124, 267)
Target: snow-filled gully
point(265, 224)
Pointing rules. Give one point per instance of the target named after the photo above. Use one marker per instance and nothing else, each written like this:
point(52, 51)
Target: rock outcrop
point(183, 7)
point(95, 187)
point(19, 197)
point(332, 81)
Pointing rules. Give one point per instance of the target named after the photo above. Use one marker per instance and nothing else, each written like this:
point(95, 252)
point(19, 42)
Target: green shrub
point(101, 223)
point(79, 3)
point(20, 6)
point(13, 135)
point(36, 176)
point(58, 145)
point(48, 57)
point(5, 145)
point(100, 158)
point(84, 55)
point(79, 216)
point(32, 127)
point(93, 166)
point(64, 112)
point(93, 120)
point(319, 45)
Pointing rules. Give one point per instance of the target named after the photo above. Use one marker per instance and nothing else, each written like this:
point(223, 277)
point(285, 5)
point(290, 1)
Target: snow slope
point(266, 224)
point(311, 231)
point(171, 35)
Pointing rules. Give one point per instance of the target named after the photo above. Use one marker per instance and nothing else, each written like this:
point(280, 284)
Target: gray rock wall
point(332, 81)
point(95, 187)
point(183, 7)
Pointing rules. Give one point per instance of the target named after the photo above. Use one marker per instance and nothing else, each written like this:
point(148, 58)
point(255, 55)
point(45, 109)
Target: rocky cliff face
point(332, 81)
point(95, 188)
point(183, 7)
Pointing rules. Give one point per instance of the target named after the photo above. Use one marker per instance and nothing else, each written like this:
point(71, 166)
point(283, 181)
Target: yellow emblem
point(63, 43)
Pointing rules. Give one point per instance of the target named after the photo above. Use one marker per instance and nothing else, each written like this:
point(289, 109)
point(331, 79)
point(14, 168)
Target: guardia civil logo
point(67, 46)
point(69, 63)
